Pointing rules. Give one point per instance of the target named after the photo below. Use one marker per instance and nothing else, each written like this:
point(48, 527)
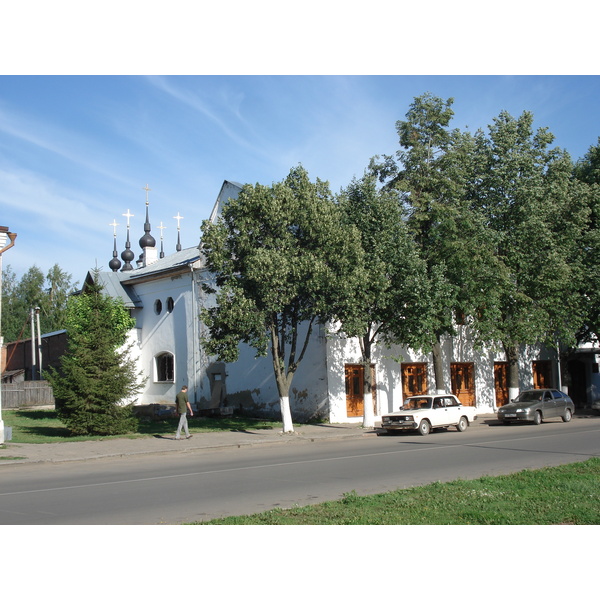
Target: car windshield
point(530, 396)
point(414, 403)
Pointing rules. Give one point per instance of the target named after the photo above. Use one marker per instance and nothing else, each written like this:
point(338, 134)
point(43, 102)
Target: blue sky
point(76, 151)
point(247, 92)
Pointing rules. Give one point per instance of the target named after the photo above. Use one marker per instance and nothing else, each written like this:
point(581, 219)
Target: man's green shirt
point(181, 402)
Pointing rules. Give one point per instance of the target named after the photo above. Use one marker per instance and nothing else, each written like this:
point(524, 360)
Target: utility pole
point(39, 340)
point(5, 235)
point(33, 365)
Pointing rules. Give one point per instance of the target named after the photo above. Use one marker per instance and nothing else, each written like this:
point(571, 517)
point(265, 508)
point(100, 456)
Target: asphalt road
point(181, 488)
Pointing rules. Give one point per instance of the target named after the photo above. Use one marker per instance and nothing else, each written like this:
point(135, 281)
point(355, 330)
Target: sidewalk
point(118, 447)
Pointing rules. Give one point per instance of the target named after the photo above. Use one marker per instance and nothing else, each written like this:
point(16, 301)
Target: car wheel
point(537, 418)
point(463, 423)
point(567, 416)
point(424, 427)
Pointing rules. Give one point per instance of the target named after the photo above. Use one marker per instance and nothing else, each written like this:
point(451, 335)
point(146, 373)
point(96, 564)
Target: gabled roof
point(111, 283)
point(224, 195)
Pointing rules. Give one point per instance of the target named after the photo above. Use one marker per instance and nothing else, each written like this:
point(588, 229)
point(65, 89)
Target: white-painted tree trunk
point(512, 393)
point(368, 412)
point(286, 414)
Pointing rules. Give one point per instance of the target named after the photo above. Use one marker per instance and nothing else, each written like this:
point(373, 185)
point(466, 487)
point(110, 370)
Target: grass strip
point(568, 494)
point(43, 426)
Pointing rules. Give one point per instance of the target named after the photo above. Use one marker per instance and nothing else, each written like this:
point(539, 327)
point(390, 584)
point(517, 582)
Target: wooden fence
point(27, 393)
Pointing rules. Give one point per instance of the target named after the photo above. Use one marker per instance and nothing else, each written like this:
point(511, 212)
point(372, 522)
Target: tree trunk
point(438, 367)
point(564, 377)
point(512, 357)
point(368, 412)
point(284, 402)
point(286, 414)
point(283, 382)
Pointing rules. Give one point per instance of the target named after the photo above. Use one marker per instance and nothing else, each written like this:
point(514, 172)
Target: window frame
point(163, 367)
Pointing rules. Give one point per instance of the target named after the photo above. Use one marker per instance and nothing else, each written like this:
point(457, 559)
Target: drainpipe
point(195, 338)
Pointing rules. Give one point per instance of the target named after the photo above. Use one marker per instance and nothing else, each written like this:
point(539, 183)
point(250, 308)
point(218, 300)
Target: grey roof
point(172, 262)
point(112, 285)
point(119, 284)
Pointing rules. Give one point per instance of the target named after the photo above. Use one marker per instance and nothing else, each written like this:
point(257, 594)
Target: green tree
point(96, 378)
point(389, 300)
point(587, 169)
point(587, 172)
point(535, 213)
point(433, 172)
point(34, 290)
point(280, 260)
point(12, 323)
point(25, 294)
point(53, 304)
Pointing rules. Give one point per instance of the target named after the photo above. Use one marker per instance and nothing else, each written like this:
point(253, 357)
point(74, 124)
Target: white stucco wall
point(342, 351)
point(387, 361)
point(172, 332)
point(252, 379)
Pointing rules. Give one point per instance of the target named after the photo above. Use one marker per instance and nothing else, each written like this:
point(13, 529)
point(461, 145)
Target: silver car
point(536, 405)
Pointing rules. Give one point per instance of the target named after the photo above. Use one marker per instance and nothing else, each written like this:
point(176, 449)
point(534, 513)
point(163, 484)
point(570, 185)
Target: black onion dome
point(147, 241)
point(114, 264)
point(127, 255)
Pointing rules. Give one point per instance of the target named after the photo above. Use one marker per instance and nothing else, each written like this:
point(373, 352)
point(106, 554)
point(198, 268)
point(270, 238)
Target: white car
point(428, 412)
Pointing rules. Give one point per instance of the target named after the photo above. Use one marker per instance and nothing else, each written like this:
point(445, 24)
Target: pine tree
point(96, 377)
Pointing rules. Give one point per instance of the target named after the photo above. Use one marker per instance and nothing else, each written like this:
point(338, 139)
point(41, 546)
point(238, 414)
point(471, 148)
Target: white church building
point(164, 295)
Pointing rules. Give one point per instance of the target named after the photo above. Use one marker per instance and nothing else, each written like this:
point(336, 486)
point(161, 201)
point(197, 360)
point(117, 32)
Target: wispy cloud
point(60, 142)
point(195, 102)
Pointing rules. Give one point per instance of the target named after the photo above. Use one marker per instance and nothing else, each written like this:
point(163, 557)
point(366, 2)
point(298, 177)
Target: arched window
point(164, 367)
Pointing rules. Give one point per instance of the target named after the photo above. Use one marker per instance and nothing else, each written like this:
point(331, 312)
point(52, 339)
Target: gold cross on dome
point(147, 190)
point(128, 215)
point(178, 219)
point(114, 226)
point(161, 230)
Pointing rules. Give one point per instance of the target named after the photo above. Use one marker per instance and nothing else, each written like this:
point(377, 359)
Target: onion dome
point(147, 241)
point(115, 263)
point(127, 255)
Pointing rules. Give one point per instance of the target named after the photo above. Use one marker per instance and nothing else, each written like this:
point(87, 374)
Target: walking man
point(183, 405)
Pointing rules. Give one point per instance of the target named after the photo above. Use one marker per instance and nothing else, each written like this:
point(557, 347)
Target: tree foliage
point(587, 173)
point(535, 212)
point(96, 378)
point(587, 169)
point(389, 301)
point(498, 218)
point(50, 293)
point(431, 173)
point(280, 259)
